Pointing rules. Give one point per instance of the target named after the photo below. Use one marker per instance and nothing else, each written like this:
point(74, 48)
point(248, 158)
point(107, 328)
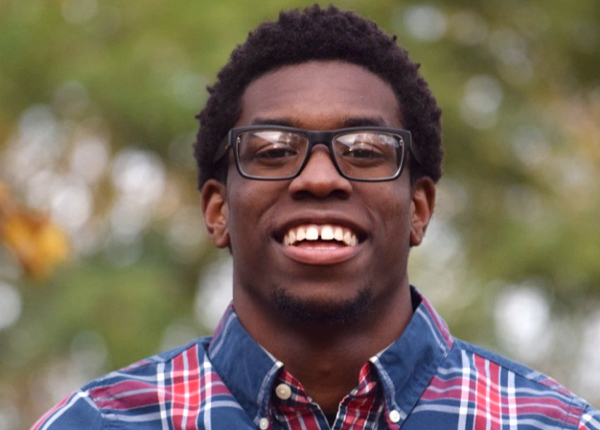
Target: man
point(319, 150)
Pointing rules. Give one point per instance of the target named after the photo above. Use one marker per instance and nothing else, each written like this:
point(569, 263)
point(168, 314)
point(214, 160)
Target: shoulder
point(146, 369)
point(135, 383)
point(134, 393)
point(526, 380)
point(497, 386)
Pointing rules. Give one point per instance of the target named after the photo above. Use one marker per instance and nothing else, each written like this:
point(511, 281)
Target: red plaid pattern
point(359, 410)
point(425, 380)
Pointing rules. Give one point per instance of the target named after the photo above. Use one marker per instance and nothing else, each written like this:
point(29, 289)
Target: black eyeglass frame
point(316, 137)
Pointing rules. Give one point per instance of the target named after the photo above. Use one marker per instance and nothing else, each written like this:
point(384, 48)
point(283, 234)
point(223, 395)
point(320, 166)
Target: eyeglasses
point(369, 154)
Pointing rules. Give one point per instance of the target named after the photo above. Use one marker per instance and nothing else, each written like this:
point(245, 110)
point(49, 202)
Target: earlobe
point(215, 211)
point(423, 202)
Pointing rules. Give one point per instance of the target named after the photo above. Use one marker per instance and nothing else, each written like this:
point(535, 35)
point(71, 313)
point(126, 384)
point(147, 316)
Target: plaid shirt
point(360, 409)
point(424, 380)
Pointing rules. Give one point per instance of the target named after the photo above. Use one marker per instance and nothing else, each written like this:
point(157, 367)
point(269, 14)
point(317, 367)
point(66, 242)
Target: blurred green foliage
point(86, 84)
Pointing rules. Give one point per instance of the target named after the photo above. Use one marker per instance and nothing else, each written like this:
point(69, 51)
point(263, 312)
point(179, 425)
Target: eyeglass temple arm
point(221, 152)
point(413, 153)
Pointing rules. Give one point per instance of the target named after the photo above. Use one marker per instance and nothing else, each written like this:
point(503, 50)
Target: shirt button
point(394, 416)
point(263, 424)
point(283, 391)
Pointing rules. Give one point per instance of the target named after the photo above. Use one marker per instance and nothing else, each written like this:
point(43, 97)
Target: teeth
point(300, 234)
point(312, 233)
point(338, 234)
point(326, 232)
point(347, 238)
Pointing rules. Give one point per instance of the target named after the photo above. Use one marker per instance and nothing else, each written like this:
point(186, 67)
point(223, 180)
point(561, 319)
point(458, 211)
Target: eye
point(363, 150)
point(269, 146)
point(275, 151)
point(366, 150)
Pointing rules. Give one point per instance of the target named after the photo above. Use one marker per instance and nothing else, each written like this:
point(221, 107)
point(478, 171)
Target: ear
point(215, 211)
point(421, 208)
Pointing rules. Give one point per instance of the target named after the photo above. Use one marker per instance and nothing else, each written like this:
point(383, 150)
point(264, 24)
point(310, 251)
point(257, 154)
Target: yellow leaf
point(37, 242)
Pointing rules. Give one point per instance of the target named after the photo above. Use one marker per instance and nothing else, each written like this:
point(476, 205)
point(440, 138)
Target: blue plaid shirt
point(426, 380)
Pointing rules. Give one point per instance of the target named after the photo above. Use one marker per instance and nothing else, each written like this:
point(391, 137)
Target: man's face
point(322, 279)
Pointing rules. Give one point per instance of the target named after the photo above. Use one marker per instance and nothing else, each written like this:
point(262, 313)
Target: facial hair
point(323, 312)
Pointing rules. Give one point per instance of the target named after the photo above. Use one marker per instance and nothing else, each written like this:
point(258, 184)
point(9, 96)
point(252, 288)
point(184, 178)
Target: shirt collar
point(245, 367)
point(404, 368)
point(407, 365)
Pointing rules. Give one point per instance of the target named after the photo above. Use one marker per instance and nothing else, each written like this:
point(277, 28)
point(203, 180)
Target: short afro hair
point(320, 34)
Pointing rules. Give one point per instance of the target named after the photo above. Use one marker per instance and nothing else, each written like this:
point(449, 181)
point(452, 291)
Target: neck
point(327, 357)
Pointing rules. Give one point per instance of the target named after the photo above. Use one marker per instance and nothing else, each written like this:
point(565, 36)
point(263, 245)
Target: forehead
point(320, 95)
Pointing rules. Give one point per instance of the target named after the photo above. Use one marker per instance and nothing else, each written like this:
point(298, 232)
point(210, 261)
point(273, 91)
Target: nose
point(320, 178)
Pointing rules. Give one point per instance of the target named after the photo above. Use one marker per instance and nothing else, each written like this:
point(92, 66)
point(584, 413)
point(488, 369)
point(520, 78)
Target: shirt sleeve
point(590, 419)
point(77, 411)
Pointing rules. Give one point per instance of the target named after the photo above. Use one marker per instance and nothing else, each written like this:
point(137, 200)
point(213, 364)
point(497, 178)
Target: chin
point(323, 310)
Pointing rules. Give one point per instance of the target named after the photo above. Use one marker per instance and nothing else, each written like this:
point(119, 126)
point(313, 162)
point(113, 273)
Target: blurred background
point(103, 255)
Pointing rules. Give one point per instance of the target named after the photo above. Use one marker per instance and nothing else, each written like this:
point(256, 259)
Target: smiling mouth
point(313, 234)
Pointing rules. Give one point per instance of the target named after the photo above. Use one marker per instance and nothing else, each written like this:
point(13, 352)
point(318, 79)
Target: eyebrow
point(284, 122)
point(364, 122)
point(346, 122)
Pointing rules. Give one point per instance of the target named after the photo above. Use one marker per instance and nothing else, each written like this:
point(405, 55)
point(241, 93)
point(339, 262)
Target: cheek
point(242, 197)
point(391, 205)
point(239, 209)
point(390, 210)
point(249, 204)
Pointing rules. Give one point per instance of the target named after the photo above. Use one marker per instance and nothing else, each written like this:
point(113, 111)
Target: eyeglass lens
point(280, 154)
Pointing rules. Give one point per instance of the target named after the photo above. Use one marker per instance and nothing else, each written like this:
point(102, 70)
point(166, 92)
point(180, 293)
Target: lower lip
point(321, 255)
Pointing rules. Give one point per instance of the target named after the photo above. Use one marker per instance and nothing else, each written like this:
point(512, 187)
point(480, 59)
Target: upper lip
point(320, 218)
